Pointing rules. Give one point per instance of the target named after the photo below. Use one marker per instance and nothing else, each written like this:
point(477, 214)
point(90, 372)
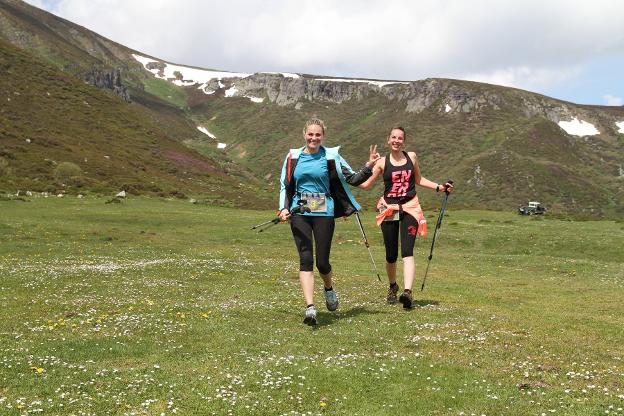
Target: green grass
point(165, 90)
point(153, 305)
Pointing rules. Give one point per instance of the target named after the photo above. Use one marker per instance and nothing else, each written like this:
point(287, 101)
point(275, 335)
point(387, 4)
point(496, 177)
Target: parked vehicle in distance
point(533, 208)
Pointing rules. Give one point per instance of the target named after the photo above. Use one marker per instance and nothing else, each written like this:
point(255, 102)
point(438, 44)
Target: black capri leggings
point(303, 227)
point(408, 227)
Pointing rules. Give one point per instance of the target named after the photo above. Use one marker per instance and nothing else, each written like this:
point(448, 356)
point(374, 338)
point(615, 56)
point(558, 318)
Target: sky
point(572, 51)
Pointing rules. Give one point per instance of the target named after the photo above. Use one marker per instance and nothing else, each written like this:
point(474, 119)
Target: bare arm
point(377, 170)
point(357, 178)
point(424, 182)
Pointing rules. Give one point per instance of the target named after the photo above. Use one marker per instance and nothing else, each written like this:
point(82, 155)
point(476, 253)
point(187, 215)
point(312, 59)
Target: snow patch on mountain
point(620, 125)
point(186, 76)
point(231, 92)
point(190, 76)
point(285, 74)
point(578, 127)
point(206, 132)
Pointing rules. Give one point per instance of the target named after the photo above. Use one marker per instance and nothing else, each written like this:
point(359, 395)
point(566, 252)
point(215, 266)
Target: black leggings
point(303, 227)
point(390, 230)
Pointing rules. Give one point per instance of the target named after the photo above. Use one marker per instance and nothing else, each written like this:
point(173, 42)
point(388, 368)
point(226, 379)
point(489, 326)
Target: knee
point(306, 262)
point(323, 266)
point(391, 258)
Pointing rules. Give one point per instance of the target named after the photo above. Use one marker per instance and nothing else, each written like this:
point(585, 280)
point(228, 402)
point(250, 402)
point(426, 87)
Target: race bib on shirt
point(316, 201)
point(394, 217)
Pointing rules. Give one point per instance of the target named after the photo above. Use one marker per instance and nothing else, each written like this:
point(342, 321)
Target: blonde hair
point(314, 121)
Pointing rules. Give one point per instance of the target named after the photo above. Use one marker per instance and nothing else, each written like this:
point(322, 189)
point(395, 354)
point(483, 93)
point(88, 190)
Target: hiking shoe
point(310, 315)
point(406, 299)
point(392, 293)
point(331, 300)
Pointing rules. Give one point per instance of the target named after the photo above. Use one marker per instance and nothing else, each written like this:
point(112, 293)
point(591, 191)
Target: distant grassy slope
point(498, 158)
point(78, 50)
point(47, 117)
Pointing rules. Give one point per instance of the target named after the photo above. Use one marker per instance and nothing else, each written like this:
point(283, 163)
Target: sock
point(309, 306)
point(408, 291)
point(327, 289)
point(395, 284)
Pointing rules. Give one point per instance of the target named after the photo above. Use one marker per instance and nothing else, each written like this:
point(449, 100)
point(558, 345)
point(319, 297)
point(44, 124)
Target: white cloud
point(525, 77)
point(612, 100)
point(39, 3)
point(528, 44)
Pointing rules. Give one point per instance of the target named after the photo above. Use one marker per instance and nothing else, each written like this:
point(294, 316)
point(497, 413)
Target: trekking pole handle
point(446, 191)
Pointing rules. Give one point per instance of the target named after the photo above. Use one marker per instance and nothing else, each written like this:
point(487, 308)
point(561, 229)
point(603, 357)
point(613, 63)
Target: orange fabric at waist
point(412, 207)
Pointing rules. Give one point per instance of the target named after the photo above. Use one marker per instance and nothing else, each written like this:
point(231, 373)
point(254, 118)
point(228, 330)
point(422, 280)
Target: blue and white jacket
point(340, 174)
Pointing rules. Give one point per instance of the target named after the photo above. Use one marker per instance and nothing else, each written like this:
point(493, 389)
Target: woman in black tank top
point(399, 181)
point(401, 174)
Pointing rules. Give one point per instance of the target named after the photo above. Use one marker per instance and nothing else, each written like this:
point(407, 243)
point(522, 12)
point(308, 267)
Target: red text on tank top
point(400, 183)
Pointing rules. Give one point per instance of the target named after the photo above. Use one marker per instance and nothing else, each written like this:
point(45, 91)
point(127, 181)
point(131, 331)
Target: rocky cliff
point(441, 95)
point(108, 80)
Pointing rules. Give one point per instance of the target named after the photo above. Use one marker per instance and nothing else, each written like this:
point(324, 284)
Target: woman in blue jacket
point(317, 178)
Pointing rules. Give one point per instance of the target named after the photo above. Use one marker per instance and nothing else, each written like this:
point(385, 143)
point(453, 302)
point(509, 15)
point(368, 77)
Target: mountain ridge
point(484, 136)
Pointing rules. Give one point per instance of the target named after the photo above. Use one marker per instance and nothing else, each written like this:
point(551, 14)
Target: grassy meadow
point(154, 306)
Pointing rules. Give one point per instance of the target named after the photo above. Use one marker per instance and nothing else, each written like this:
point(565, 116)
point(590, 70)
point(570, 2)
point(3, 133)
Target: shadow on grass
point(328, 318)
point(417, 304)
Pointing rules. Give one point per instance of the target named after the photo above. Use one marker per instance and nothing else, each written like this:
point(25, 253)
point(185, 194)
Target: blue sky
point(568, 50)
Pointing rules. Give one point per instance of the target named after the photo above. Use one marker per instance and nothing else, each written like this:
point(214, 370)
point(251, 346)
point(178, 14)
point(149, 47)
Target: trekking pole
point(357, 215)
point(435, 232)
point(301, 208)
point(274, 221)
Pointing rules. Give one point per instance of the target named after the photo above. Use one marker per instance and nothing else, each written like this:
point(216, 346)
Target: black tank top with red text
point(399, 181)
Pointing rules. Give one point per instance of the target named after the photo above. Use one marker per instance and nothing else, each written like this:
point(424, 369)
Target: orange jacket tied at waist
point(412, 207)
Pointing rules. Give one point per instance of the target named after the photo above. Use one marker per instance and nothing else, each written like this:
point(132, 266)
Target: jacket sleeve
point(355, 178)
point(283, 203)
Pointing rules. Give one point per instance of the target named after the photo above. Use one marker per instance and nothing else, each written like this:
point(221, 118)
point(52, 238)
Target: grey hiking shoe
point(310, 315)
point(406, 299)
point(392, 293)
point(331, 300)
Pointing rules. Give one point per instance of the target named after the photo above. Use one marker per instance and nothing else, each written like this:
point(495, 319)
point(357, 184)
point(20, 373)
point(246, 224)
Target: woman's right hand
point(373, 156)
point(284, 214)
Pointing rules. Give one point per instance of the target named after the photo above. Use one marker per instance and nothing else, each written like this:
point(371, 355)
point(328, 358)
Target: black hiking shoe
point(392, 294)
point(406, 299)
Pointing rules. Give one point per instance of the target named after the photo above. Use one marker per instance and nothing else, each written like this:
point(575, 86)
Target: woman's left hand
point(373, 156)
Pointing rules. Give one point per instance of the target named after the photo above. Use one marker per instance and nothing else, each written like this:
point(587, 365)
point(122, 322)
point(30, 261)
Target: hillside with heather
point(206, 132)
point(60, 135)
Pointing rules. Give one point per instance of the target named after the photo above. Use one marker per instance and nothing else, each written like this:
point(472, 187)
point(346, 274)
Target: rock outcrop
point(442, 95)
point(447, 95)
point(110, 80)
